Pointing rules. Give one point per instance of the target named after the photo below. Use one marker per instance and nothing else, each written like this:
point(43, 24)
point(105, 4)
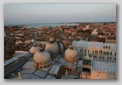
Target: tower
point(65, 23)
point(86, 67)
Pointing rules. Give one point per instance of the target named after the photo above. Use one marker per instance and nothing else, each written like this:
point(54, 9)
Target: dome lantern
point(51, 40)
point(33, 49)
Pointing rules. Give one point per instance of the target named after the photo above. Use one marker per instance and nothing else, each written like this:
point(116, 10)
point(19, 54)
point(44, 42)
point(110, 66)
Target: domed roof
point(33, 49)
point(51, 39)
point(61, 46)
point(52, 46)
point(71, 54)
point(43, 58)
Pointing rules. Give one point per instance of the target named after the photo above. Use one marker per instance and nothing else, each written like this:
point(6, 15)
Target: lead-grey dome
point(52, 47)
point(61, 46)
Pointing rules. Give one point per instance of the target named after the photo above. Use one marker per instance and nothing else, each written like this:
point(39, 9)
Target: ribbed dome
point(61, 46)
point(52, 47)
point(42, 58)
point(34, 49)
point(71, 54)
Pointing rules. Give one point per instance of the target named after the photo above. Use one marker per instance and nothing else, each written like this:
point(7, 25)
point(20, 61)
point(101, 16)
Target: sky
point(56, 13)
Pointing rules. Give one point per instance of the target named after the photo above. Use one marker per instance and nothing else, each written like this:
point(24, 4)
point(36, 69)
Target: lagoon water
point(46, 24)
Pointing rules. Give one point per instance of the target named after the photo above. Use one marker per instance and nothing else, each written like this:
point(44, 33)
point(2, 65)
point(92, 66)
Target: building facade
point(96, 50)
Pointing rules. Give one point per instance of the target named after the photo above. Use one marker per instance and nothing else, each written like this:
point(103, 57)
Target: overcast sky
point(54, 13)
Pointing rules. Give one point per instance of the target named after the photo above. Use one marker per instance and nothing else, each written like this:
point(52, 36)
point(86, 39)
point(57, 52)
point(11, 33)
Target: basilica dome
point(42, 59)
point(71, 54)
point(52, 47)
point(61, 46)
point(33, 49)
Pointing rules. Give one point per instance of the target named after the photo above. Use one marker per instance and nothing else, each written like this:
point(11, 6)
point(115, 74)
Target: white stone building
point(97, 50)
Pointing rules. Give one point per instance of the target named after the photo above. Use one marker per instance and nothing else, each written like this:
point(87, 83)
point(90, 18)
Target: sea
point(40, 25)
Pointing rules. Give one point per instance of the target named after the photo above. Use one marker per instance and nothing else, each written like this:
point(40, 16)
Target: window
point(107, 53)
point(115, 53)
point(100, 52)
point(103, 53)
point(110, 53)
point(115, 59)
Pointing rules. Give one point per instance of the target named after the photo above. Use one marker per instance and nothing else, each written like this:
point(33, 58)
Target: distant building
point(94, 32)
point(110, 40)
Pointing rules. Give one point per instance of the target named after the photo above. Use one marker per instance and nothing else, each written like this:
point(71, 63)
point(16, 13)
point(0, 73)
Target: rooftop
point(93, 44)
point(104, 66)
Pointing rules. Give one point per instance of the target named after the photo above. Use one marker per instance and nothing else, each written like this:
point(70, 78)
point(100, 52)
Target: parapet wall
point(14, 63)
